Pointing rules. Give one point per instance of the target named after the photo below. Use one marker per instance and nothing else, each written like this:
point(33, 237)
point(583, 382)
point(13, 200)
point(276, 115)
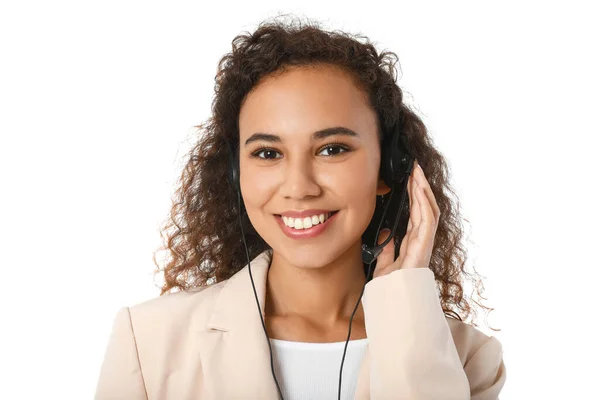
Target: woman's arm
point(413, 351)
point(413, 355)
point(121, 374)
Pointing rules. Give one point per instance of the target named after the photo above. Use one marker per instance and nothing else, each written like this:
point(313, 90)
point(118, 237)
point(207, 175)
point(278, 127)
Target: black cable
point(256, 296)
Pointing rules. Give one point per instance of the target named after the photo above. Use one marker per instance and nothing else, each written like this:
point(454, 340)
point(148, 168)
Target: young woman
point(306, 116)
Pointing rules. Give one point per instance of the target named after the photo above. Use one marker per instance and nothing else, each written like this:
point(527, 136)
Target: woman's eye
point(268, 153)
point(334, 148)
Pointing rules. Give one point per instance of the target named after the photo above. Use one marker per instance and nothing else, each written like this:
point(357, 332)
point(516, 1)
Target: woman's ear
point(382, 188)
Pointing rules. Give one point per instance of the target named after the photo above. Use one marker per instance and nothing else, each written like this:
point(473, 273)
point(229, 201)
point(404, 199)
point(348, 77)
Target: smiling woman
point(266, 294)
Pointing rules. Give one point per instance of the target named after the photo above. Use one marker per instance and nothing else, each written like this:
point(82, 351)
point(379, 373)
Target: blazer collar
point(243, 348)
point(236, 305)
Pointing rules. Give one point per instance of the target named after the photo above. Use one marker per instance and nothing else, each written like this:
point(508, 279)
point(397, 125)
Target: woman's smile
point(306, 227)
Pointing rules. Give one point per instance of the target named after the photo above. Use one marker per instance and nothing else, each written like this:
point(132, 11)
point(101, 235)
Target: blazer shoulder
point(181, 306)
point(469, 339)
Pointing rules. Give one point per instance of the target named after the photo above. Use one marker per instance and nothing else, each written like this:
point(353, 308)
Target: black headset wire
point(256, 295)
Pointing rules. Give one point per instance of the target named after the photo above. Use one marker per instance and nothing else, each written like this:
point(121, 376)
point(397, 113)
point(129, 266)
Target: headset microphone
point(370, 254)
point(396, 166)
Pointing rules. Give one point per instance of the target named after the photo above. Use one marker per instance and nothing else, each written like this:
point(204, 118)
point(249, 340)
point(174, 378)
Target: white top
point(311, 371)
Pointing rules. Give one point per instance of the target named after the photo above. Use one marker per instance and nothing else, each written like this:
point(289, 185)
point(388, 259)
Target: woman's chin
point(307, 257)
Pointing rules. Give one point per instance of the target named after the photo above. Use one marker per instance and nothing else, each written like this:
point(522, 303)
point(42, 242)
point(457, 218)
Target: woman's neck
point(324, 295)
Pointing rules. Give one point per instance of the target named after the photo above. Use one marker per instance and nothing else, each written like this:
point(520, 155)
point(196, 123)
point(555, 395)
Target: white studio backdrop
point(97, 106)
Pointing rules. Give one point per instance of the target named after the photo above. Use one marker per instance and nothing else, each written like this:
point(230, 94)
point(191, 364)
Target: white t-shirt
point(310, 371)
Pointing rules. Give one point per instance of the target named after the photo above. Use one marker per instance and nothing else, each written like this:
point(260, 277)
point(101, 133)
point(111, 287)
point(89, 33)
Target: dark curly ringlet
point(202, 234)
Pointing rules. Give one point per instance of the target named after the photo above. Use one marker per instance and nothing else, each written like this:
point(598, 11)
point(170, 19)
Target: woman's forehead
point(305, 100)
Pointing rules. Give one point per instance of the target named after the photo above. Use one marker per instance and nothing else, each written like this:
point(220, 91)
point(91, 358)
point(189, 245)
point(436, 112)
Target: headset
point(396, 166)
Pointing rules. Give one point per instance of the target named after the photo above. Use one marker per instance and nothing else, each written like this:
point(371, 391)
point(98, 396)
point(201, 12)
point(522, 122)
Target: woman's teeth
point(306, 222)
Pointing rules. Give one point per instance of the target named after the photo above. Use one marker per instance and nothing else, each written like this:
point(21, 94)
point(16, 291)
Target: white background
point(97, 105)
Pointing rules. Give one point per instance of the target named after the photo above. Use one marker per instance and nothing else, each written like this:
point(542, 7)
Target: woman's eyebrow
point(318, 135)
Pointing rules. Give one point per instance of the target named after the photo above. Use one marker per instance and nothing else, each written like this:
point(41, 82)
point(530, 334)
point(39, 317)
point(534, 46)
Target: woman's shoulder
point(177, 308)
point(192, 310)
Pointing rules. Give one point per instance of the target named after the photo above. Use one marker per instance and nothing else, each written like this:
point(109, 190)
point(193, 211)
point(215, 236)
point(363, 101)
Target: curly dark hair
point(202, 233)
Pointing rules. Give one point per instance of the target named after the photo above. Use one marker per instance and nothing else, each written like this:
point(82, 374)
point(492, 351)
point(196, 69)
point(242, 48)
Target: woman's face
point(297, 170)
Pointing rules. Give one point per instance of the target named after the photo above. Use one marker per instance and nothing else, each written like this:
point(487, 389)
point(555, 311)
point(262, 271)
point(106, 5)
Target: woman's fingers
point(415, 212)
point(429, 193)
point(427, 221)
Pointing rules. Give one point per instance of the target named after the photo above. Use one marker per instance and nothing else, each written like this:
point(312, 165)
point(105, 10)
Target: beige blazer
point(210, 344)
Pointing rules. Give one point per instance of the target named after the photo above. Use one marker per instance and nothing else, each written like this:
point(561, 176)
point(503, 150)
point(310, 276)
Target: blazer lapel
point(238, 352)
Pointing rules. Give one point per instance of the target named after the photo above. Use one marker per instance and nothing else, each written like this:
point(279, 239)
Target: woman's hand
point(417, 244)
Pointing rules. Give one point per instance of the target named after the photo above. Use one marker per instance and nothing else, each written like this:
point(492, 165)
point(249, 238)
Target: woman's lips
point(311, 232)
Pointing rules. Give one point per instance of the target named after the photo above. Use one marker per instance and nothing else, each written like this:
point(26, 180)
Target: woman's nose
point(299, 181)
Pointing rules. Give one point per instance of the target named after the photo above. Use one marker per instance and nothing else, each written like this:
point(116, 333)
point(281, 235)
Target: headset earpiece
point(234, 167)
point(396, 160)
